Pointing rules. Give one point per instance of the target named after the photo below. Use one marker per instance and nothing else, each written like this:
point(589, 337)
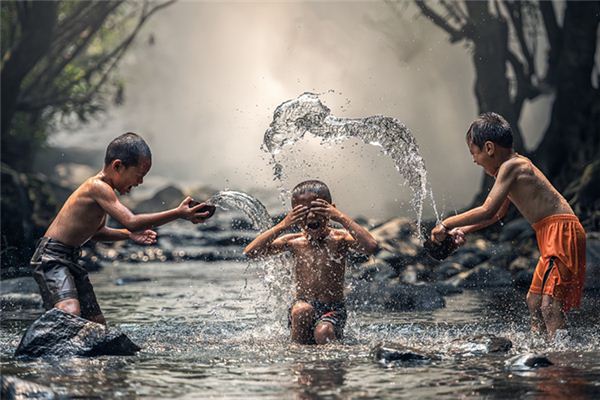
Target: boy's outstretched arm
point(360, 238)
point(105, 196)
point(484, 213)
point(106, 234)
point(499, 215)
point(269, 242)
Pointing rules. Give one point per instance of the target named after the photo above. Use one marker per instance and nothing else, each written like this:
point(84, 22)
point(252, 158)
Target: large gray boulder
point(378, 285)
point(166, 198)
point(57, 333)
point(516, 230)
point(397, 237)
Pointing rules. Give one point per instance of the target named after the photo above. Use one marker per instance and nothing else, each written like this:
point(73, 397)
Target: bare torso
point(320, 266)
point(532, 193)
point(80, 217)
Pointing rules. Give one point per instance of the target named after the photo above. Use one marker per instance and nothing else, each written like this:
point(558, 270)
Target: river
point(211, 330)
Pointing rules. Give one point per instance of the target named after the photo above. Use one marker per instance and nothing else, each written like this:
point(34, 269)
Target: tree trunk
point(572, 140)
point(490, 55)
point(38, 22)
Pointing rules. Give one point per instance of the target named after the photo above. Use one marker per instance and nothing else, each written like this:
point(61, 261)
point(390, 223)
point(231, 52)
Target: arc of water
point(294, 118)
point(250, 206)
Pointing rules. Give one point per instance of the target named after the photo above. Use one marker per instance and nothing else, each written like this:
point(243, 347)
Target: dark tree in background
point(504, 38)
point(57, 62)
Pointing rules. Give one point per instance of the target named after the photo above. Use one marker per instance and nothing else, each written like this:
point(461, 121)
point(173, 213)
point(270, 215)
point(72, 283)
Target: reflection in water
point(315, 380)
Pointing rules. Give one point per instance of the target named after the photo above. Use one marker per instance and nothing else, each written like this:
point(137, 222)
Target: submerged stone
point(528, 361)
point(126, 280)
point(14, 388)
point(399, 356)
point(482, 344)
point(57, 333)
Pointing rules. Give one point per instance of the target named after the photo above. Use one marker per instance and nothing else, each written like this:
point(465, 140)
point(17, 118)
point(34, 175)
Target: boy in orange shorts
point(559, 276)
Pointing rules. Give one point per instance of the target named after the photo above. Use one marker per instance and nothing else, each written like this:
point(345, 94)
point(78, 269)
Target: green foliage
point(72, 79)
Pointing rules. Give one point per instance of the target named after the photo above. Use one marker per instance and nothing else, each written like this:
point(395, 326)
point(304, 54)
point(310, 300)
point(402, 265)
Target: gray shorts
point(334, 313)
point(59, 277)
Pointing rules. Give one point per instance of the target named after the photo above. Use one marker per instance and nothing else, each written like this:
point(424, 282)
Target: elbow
point(372, 247)
point(249, 252)
point(133, 225)
point(487, 214)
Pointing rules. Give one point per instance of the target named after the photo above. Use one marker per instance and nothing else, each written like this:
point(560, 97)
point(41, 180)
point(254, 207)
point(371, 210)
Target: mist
point(204, 93)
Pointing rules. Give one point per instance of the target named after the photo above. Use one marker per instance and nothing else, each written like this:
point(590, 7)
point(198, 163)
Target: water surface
point(211, 330)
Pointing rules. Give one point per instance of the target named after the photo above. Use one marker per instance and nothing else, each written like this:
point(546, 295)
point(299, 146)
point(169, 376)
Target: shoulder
point(341, 235)
point(514, 166)
point(97, 187)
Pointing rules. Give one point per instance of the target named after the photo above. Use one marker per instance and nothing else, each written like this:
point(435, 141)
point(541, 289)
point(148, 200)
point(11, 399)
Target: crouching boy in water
point(63, 283)
point(559, 275)
point(318, 314)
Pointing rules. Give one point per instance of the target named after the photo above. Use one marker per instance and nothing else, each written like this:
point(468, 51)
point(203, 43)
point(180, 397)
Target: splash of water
point(276, 272)
point(250, 206)
point(294, 118)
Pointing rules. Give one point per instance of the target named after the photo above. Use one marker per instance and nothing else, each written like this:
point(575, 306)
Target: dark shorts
point(59, 277)
point(334, 313)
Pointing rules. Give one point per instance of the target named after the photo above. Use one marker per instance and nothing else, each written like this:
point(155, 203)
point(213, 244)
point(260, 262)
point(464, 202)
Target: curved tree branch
point(456, 34)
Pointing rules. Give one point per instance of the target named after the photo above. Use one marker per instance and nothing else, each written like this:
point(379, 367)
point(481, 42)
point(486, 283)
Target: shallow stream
point(211, 330)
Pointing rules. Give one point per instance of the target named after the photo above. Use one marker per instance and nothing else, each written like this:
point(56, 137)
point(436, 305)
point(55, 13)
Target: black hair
point(312, 186)
point(130, 148)
point(490, 126)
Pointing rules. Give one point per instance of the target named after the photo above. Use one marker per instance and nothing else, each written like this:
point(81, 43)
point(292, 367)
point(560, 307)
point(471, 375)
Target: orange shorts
point(560, 272)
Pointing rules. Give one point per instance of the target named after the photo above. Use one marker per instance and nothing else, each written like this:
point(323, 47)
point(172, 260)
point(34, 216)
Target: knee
point(324, 333)
point(98, 319)
point(302, 312)
point(70, 306)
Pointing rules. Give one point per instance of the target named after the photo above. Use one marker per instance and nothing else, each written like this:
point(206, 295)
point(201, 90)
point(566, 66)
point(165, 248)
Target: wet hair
point(490, 126)
point(130, 148)
point(312, 186)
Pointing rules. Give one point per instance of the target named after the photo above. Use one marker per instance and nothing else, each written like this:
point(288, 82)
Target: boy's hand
point(297, 214)
point(143, 237)
point(323, 208)
point(191, 213)
point(439, 233)
point(458, 235)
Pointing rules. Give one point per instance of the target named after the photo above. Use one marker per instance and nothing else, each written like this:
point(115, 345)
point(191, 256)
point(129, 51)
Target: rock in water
point(126, 280)
point(525, 362)
point(482, 344)
point(14, 388)
point(57, 333)
point(390, 356)
point(440, 251)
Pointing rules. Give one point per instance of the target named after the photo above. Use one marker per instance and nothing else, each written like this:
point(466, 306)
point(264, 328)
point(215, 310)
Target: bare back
point(320, 266)
point(80, 217)
point(532, 193)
